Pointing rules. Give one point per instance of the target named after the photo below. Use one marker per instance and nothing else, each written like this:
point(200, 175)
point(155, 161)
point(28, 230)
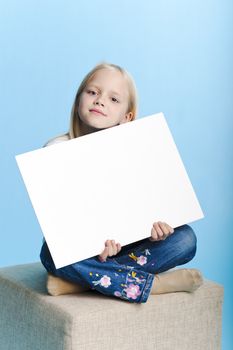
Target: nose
point(99, 101)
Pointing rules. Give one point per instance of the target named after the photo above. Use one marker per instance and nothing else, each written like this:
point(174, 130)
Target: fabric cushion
point(31, 319)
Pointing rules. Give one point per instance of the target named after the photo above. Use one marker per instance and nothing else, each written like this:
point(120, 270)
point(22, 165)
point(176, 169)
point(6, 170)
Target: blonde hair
point(74, 130)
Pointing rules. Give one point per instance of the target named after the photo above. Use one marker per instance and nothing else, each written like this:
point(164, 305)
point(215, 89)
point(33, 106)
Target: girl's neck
point(86, 129)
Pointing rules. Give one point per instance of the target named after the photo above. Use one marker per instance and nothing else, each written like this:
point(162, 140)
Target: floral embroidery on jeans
point(135, 278)
point(131, 290)
point(105, 281)
point(141, 260)
point(147, 252)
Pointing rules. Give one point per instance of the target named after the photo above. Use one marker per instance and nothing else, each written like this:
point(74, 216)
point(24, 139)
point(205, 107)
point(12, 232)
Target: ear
point(127, 118)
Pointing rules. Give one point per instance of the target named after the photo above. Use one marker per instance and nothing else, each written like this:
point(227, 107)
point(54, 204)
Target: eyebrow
point(97, 87)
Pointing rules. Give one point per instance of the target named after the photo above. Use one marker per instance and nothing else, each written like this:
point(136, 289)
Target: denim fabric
point(128, 275)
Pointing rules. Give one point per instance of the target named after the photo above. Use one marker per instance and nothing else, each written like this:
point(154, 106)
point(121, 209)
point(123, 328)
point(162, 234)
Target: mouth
point(97, 111)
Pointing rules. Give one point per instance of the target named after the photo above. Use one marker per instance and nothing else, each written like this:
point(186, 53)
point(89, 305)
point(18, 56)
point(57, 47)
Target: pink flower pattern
point(117, 294)
point(105, 281)
point(142, 260)
point(132, 291)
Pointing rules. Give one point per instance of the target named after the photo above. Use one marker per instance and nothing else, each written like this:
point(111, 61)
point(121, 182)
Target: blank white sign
point(111, 184)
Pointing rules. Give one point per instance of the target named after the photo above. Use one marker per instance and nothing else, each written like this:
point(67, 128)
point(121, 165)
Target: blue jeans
point(128, 275)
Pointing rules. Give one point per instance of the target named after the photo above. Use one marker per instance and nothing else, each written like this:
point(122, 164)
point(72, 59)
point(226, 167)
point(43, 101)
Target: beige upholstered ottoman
point(32, 320)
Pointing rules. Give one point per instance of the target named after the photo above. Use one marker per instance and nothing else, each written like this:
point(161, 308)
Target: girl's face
point(104, 101)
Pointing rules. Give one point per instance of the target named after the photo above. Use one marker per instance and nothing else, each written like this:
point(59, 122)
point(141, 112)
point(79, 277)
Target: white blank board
point(111, 184)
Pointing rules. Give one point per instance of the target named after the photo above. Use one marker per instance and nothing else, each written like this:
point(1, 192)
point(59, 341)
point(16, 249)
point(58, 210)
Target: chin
point(103, 126)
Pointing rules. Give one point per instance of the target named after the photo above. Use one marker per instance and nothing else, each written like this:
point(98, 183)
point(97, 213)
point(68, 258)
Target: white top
point(57, 139)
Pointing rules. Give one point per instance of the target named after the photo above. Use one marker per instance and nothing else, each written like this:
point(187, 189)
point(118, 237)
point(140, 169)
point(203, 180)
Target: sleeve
point(57, 139)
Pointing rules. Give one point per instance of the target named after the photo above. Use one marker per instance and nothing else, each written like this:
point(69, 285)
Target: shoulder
point(57, 139)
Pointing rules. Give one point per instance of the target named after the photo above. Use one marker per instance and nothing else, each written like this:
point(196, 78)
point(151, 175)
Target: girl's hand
point(111, 248)
point(160, 231)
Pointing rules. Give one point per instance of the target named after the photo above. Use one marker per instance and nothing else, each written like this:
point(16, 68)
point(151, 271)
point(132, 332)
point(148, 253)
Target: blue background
point(180, 55)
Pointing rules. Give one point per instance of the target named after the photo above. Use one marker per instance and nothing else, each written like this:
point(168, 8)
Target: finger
point(169, 231)
point(118, 247)
point(114, 247)
point(111, 248)
point(103, 256)
point(164, 237)
point(158, 229)
point(154, 234)
point(108, 244)
point(169, 228)
point(164, 227)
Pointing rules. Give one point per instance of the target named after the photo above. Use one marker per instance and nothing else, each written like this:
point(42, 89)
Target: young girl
point(106, 98)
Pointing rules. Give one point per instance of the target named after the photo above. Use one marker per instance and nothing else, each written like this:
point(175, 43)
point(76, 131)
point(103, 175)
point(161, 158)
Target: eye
point(91, 92)
point(114, 99)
